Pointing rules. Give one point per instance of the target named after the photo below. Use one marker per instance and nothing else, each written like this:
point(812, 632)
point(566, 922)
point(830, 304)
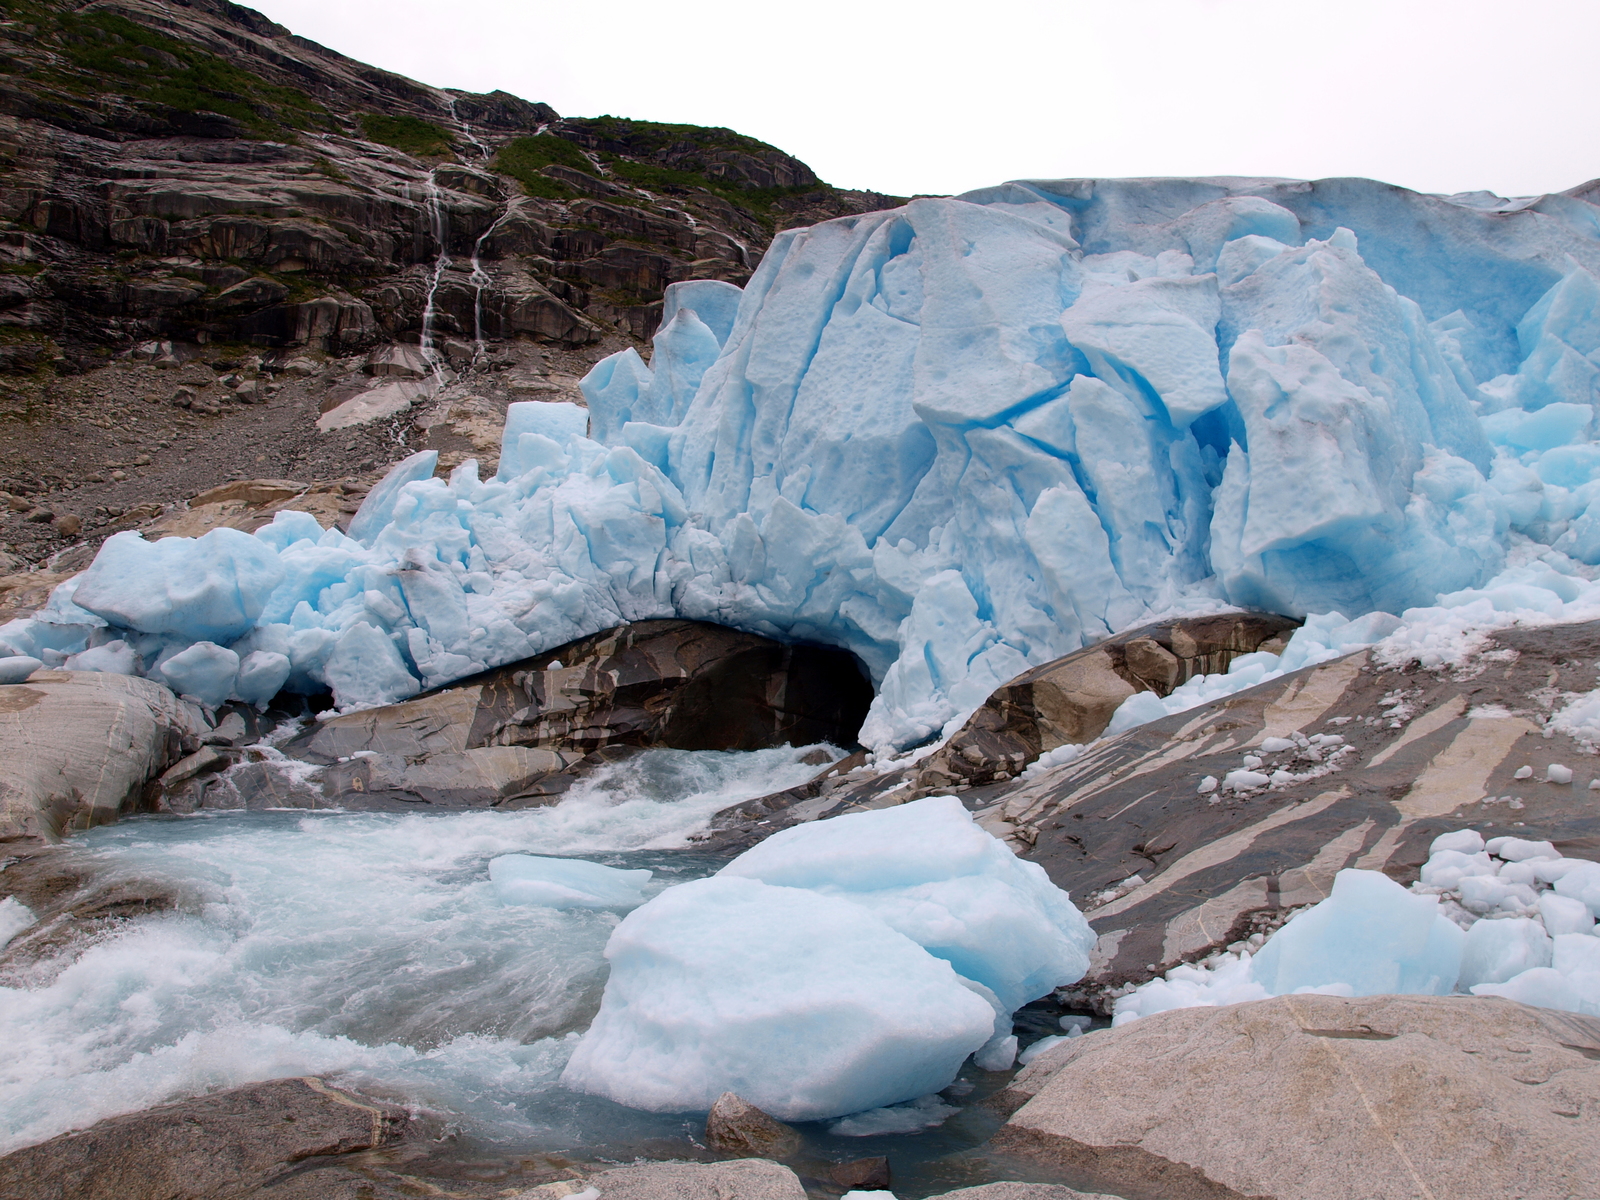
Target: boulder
point(686, 685)
point(1009, 1190)
point(1321, 1097)
point(864, 1174)
point(740, 1179)
point(736, 1127)
point(232, 1144)
point(77, 748)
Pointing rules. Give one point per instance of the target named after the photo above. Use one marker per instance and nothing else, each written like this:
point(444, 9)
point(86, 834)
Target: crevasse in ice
point(961, 438)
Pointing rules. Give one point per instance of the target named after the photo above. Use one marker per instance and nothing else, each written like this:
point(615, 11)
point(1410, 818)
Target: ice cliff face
point(969, 435)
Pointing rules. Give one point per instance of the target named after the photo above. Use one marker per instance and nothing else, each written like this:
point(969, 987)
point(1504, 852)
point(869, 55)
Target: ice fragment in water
point(565, 882)
point(817, 973)
point(803, 1004)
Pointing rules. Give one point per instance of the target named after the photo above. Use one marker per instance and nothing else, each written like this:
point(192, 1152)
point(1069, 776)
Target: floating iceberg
point(838, 967)
point(965, 437)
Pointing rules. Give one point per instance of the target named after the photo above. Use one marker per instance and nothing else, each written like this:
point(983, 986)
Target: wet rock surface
point(77, 748)
point(1310, 1097)
point(734, 1126)
point(73, 901)
point(1371, 762)
point(252, 1141)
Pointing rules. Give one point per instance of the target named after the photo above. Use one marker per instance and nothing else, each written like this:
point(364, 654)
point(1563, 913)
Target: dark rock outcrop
point(1071, 701)
point(239, 1143)
point(734, 1126)
point(511, 736)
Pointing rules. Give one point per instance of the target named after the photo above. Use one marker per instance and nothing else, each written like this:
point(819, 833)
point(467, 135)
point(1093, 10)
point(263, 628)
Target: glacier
point(961, 438)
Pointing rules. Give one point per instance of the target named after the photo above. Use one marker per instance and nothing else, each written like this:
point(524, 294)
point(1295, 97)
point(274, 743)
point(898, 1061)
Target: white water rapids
point(366, 946)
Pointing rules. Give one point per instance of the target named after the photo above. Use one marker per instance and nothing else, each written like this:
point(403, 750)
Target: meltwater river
point(371, 948)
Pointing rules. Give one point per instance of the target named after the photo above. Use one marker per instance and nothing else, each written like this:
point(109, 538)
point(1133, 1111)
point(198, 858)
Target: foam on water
point(362, 945)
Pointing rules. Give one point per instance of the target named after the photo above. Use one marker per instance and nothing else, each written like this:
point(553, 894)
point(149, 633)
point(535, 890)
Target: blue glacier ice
point(964, 437)
point(1528, 916)
point(836, 967)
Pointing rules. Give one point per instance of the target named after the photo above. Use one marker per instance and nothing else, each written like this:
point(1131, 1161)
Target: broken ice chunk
point(565, 882)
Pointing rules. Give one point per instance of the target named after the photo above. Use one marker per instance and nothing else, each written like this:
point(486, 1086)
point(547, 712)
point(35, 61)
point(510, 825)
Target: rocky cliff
point(190, 170)
point(186, 184)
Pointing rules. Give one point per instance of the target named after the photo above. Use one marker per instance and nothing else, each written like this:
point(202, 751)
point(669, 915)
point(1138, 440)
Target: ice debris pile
point(836, 967)
point(1507, 917)
point(962, 438)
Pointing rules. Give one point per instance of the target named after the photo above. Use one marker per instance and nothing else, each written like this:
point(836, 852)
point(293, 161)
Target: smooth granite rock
point(1324, 1098)
point(78, 747)
point(739, 1179)
point(232, 1144)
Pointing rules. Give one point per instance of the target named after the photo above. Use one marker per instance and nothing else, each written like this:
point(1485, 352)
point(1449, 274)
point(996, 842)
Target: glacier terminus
point(961, 438)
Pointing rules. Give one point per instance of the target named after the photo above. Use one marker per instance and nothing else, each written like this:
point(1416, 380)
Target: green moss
point(757, 202)
point(103, 52)
point(524, 158)
point(324, 166)
point(411, 135)
point(645, 138)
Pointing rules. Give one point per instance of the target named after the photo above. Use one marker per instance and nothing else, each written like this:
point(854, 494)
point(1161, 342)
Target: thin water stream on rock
point(372, 948)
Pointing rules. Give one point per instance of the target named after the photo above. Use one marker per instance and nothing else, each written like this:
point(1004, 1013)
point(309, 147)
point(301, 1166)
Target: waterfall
point(479, 278)
point(440, 222)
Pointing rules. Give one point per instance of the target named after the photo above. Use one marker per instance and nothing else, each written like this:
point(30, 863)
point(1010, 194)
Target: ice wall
point(962, 438)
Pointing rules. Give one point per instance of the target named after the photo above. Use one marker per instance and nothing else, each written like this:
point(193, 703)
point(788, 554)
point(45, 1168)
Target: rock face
point(198, 171)
point(1376, 761)
point(77, 747)
point(1315, 1097)
point(1071, 701)
point(505, 737)
point(1166, 872)
point(232, 1144)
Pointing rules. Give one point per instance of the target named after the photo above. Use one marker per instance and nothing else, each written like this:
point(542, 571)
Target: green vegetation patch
point(646, 139)
point(152, 68)
point(757, 202)
point(524, 158)
point(410, 135)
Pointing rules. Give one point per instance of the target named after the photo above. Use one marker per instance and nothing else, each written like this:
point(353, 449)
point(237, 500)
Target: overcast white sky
point(1439, 95)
